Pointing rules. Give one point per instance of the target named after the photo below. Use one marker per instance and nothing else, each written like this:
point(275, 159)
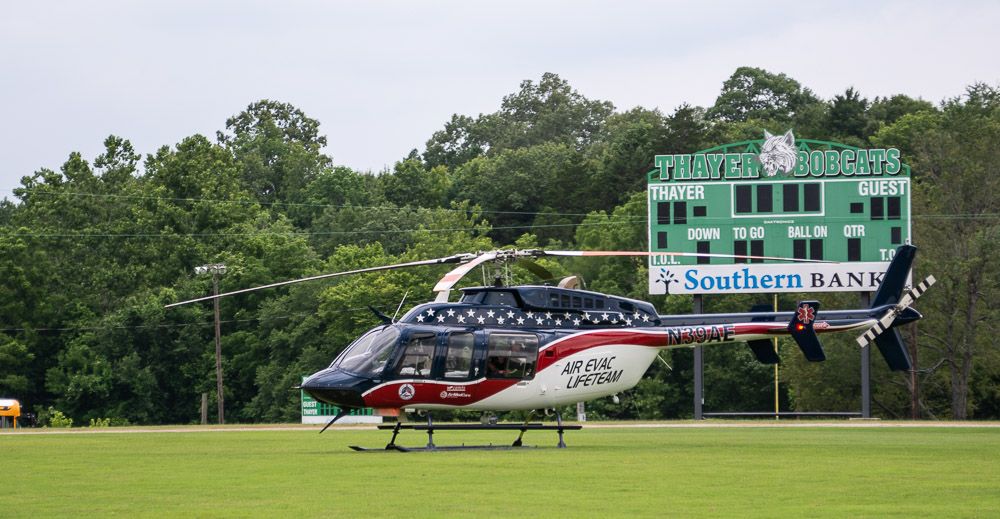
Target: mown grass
point(606, 472)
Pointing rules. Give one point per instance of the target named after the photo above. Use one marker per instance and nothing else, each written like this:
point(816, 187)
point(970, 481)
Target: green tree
point(277, 149)
point(886, 111)
point(410, 185)
point(335, 188)
point(848, 118)
point(624, 229)
point(629, 142)
point(463, 138)
point(688, 129)
point(957, 194)
point(549, 111)
point(515, 185)
point(754, 93)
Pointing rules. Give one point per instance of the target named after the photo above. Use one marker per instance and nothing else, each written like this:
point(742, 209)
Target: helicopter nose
point(334, 387)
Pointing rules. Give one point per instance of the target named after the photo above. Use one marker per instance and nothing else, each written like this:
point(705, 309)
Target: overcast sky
point(382, 76)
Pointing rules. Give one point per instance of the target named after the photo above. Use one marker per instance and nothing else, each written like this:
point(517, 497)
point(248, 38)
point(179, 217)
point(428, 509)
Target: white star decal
point(576, 322)
point(548, 315)
point(510, 315)
point(621, 316)
point(531, 315)
point(472, 313)
point(628, 322)
point(440, 318)
point(558, 322)
point(539, 320)
point(645, 318)
point(604, 317)
point(451, 313)
point(461, 318)
point(586, 316)
point(430, 311)
point(420, 318)
point(520, 320)
point(481, 319)
point(500, 319)
point(490, 314)
point(567, 315)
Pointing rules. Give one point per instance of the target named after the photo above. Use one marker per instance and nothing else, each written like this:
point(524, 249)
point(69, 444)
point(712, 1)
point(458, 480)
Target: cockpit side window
point(512, 355)
point(417, 357)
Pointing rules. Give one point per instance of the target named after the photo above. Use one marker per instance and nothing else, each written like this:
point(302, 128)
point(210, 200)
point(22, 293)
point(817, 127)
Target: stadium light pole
point(216, 269)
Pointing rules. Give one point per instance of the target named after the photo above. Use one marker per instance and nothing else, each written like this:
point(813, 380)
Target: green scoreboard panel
point(315, 412)
point(807, 200)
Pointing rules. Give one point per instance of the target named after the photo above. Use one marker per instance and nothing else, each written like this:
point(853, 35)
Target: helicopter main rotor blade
point(685, 254)
point(475, 259)
point(456, 274)
point(536, 269)
point(450, 259)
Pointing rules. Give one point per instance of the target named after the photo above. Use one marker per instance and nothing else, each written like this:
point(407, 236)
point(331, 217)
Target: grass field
point(605, 472)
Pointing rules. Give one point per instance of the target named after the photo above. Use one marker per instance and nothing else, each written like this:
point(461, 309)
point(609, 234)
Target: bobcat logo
point(778, 153)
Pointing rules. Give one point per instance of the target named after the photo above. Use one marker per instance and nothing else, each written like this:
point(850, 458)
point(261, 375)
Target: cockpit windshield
point(368, 355)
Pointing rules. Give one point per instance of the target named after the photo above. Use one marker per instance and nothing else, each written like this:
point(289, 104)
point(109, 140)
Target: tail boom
point(889, 309)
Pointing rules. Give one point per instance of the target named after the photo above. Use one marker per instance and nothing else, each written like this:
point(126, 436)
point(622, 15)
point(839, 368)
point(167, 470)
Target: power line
point(407, 208)
point(183, 325)
point(287, 204)
point(306, 234)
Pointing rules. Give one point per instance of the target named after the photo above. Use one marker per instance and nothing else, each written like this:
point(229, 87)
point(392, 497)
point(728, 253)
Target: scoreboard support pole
point(866, 368)
point(699, 369)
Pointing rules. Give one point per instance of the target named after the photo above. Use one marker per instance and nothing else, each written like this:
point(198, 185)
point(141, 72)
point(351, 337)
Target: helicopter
point(538, 347)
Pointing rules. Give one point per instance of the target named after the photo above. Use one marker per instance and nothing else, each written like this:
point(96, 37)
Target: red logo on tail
point(806, 314)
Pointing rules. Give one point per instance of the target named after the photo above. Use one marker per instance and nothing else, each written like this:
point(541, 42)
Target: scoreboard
point(823, 201)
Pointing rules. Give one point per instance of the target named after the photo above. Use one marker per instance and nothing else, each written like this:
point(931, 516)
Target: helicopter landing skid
point(431, 427)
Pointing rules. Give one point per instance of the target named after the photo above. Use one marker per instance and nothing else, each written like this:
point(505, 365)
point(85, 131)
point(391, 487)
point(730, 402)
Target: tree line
point(90, 254)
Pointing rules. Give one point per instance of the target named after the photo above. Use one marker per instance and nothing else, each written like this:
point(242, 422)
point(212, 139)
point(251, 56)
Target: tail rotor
point(891, 314)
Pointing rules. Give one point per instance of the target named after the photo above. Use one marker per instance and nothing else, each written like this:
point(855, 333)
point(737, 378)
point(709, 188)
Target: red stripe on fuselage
point(459, 394)
point(662, 338)
point(436, 392)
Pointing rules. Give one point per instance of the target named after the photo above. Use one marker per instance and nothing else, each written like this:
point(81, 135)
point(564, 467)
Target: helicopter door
point(512, 355)
point(418, 356)
point(458, 351)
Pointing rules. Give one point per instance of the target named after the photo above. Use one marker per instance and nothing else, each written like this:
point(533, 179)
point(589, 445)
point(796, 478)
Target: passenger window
point(458, 359)
point(512, 355)
point(416, 362)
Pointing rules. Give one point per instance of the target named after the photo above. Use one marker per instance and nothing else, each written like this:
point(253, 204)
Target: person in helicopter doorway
point(515, 363)
point(496, 366)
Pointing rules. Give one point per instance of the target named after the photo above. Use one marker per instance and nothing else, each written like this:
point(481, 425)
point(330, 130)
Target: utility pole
point(216, 269)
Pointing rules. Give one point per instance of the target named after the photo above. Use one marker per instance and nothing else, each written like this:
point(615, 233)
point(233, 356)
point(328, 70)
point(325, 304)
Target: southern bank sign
point(845, 208)
point(724, 279)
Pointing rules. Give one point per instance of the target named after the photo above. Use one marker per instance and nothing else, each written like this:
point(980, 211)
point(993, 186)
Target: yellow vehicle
point(11, 408)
